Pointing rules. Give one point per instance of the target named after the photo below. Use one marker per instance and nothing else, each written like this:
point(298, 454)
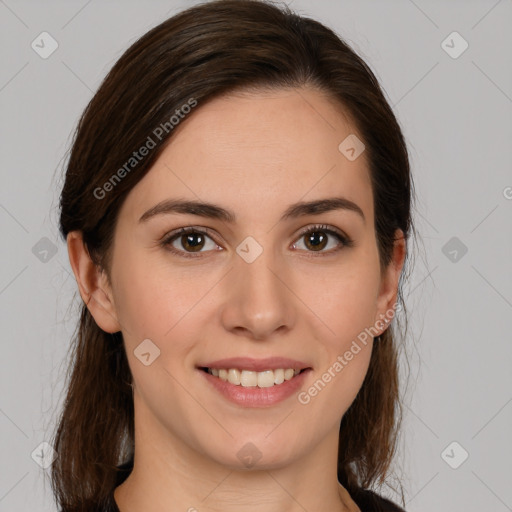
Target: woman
point(237, 206)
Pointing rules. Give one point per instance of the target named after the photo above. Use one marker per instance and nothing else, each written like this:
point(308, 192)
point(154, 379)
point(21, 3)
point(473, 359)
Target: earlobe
point(386, 301)
point(92, 284)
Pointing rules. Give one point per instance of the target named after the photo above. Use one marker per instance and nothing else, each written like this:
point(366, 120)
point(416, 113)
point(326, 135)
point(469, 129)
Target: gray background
point(456, 117)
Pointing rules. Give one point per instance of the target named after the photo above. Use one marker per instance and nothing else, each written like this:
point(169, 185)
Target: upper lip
point(256, 365)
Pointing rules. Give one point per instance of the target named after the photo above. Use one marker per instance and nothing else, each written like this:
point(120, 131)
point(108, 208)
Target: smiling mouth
point(249, 378)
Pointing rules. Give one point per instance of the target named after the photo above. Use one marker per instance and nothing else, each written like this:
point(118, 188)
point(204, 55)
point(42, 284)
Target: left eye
point(193, 240)
point(317, 238)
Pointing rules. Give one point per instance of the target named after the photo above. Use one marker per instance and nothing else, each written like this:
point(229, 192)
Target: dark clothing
point(369, 501)
point(366, 500)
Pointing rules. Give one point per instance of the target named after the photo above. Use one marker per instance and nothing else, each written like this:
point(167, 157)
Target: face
point(259, 284)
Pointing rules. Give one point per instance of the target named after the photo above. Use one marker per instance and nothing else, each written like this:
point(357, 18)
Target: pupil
point(189, 241)
point(317, 239)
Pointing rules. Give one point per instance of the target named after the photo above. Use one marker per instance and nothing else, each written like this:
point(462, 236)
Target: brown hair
point(201, 53)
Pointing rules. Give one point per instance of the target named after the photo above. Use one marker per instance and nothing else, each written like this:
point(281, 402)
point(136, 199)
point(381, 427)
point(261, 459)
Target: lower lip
point(255, 396)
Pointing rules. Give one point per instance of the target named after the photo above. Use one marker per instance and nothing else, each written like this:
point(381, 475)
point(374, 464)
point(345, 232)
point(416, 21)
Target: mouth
point(249, 388)
point(252, 379)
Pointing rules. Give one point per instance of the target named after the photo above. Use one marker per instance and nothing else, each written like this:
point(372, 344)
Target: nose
point(258, 299)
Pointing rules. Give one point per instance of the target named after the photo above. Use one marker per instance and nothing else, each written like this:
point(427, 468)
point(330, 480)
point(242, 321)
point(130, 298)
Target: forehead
point(258, 151)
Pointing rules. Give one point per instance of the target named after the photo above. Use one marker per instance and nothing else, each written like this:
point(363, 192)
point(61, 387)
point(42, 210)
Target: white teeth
point(278, 376)
point(265, 379)
point(288, 373)
point(249, 378)
point(234, 376)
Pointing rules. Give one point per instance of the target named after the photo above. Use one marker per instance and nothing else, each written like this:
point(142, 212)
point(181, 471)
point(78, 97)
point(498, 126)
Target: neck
point(170, 474)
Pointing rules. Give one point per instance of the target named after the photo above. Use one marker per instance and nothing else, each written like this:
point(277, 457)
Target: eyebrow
point(213, 211)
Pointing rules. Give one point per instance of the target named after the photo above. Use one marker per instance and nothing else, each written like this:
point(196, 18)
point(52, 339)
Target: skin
point(255, 154)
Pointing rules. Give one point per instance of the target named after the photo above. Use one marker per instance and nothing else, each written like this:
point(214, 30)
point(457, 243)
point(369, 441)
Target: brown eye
point(316, 240)
point(189, 242)
point(192, 242)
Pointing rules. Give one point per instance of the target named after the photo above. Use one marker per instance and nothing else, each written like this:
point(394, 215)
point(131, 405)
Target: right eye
point(192, 241)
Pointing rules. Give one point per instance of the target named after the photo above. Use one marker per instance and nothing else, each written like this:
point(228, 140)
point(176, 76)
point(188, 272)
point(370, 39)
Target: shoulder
point(369, 501)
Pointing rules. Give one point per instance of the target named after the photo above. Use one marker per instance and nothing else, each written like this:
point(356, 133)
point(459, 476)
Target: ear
point(388, 291)
point(93, 284)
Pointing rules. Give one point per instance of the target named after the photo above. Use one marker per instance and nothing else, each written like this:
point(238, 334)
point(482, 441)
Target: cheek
point(163, 304)
point(343, 297)
point(151, 297)
point(346, 307)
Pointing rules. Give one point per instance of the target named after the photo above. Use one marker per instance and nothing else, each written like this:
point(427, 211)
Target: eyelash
point(167, 241)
